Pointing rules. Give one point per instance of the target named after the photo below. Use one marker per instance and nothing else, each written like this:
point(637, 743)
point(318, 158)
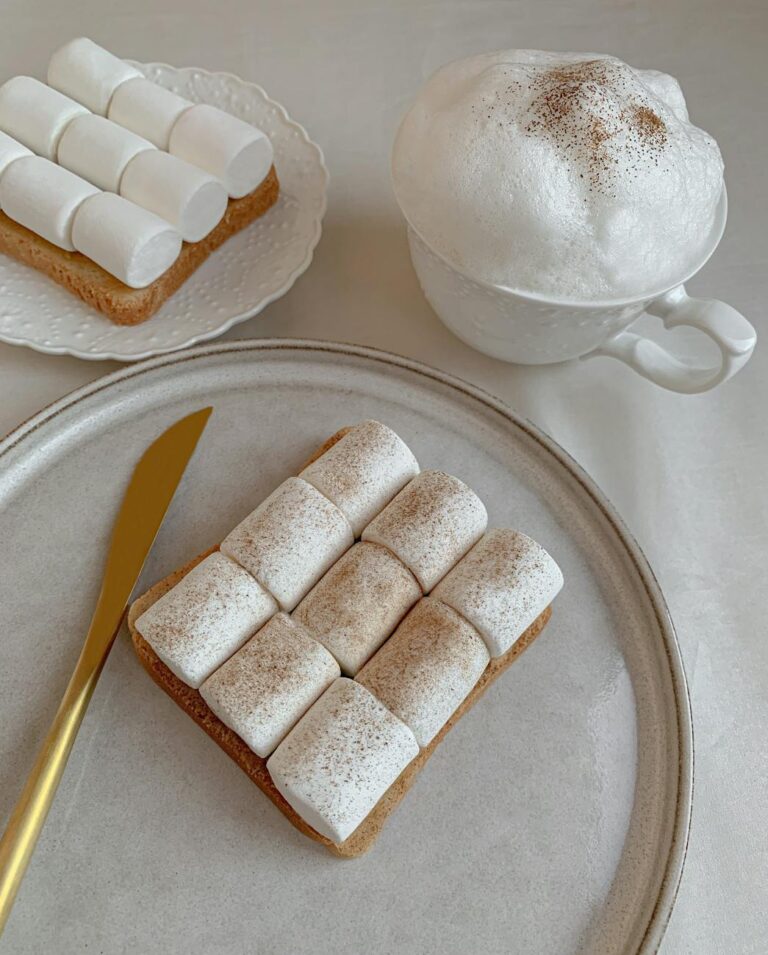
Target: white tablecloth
point(688, 474)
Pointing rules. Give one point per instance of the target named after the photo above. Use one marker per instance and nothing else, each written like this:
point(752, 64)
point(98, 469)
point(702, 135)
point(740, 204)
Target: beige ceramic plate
point(554, 817)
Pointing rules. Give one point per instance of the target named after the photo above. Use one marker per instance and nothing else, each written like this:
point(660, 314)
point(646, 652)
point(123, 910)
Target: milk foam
point(569, 175)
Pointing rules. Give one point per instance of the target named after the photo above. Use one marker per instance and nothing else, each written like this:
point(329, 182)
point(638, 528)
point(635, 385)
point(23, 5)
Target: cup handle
point(728, 329)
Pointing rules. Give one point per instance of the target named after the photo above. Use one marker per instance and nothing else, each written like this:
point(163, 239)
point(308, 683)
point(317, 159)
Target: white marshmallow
point(501, 587)
point(130, 243)
point(227, 147)
point(430, 525)
point(10, 149)
point(363, 471)
point(99, 150)
point(147, 109)
point(358, 603)
point(340, 759)
point(88, 73)
point(43, 197)
point(205, 618)
point(290, 540)
point(427, 668)
point(191, 200)
point(35, 114)
point(263, 689)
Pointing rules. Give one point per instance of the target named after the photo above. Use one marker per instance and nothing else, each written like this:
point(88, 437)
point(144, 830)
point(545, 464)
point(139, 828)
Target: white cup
point(531, 329)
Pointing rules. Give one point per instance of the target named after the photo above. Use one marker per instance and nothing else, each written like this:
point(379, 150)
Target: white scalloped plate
point(251, 270)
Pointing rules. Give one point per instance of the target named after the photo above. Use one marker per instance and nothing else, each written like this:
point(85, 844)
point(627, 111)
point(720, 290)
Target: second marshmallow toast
point(118, 188)
point(191, 700)
point(102, 291)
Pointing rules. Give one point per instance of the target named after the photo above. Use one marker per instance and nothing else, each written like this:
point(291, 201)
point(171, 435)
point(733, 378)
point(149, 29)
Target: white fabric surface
point(688, 474)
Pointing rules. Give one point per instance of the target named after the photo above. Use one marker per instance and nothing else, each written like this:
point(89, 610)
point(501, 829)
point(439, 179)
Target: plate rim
point(249, 313)
point(673, 868)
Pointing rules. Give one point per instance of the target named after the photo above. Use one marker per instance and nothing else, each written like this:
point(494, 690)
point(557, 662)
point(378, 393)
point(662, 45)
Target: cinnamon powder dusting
point(649, 124)
point(591, 112)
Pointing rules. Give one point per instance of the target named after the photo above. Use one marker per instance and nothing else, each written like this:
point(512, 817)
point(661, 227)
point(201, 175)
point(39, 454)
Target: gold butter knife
point(149, 493)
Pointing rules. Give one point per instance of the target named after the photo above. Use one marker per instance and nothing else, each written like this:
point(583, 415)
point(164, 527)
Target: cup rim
point(716, 234)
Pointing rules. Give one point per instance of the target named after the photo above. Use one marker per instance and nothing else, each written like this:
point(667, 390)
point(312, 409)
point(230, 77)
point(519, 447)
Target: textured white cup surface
point(529, 329)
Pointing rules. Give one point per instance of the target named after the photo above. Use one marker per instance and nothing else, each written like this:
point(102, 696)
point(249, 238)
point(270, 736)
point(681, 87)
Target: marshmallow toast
point(255, 767)
point(97, 288)
point(193, 703)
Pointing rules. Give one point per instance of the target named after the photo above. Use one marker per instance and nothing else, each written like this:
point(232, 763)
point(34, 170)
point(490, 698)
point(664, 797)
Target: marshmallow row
point(127, 241)
point(111, 157)
point(236, 153)
point(117, 160)
point(213, 156)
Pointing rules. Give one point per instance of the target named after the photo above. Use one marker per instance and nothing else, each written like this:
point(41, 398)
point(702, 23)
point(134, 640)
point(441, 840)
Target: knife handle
point(28, 817)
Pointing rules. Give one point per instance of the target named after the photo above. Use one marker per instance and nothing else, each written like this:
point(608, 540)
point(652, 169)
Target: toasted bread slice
point(255, 766)
point(97, 288)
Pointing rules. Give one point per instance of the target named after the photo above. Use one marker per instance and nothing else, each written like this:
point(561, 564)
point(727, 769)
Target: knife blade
point(150, 491)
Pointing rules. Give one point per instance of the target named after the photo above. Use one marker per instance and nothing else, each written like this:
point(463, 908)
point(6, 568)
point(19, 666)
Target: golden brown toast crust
point(102, 291)
point(255, 766)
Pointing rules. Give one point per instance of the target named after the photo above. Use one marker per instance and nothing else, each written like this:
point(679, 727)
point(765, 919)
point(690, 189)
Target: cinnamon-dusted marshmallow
point(208, 615)
point(290, 540)
point(269, 683)
point(430, 525)
point(501, 587)
point(340, 759)
point(426, 668)
point(358, 603)
point(363, 471)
